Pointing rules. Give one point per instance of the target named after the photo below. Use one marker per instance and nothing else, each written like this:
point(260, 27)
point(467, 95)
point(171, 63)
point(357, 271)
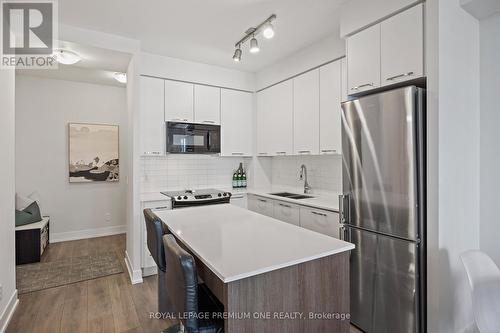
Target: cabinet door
point(263, 123)
point(287, 212)
point(329, 106)
point(280, 118)
point(261, 205)
point(240, 200)
point(306, 116)
point(402, 46)
point(363, 60)
point(206, 104)
point(324, 222)
point(344, 92)
point(236, 123)
point(179, 101)
point(152, 122)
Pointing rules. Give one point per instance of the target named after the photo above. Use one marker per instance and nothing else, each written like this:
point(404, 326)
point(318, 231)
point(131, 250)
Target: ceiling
point(206, 30)
point(97, 65)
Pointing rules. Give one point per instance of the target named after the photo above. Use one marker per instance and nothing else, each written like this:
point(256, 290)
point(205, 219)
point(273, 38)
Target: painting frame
point(100, 140)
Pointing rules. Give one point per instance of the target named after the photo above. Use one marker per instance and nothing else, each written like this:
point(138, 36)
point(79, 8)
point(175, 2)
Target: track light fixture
point(267, 30)
point(237, 54)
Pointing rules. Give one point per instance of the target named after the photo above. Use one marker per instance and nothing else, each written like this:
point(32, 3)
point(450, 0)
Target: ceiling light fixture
point(120, 77)
point(237, 54)
point(267, 30)
point(254, 45)
point(66, 57)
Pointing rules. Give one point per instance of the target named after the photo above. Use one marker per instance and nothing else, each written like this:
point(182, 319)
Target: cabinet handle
point(320, 214)
point(362, 86)
point(262, 153)
point(152, 153)
point(208, 121)
point(283, 205)
point(262, 200)
point(281, 152)
point(237, 153)
point(398, 76)
point(180, 119)
point(328, 150)
point(304, 151)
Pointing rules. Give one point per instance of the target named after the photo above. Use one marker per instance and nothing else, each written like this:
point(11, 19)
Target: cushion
point(22, 202)
point(30, 214)
point(36, 197)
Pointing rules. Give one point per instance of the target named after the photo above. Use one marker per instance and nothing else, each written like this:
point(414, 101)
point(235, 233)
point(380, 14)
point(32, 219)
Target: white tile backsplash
point(324, 172)
point(178, 172)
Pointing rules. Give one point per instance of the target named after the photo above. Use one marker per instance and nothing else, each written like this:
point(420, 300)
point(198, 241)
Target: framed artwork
point(93, 153)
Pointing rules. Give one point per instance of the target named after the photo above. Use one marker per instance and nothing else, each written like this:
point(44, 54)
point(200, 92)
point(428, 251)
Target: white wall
point(184, 70)
point(44, 107)
point(316, 54)
point(458, 159)
point(490, 136)
point(8, 298)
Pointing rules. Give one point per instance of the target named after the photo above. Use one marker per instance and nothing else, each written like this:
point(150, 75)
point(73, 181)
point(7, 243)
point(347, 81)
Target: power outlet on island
point(107, 217)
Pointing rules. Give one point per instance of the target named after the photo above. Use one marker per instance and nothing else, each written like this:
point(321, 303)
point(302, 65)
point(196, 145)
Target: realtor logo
point(28, 33)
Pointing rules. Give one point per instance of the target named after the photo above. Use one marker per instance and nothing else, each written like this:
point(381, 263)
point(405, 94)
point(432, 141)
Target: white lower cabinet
point(239, 199)
point(148, 264)
point(286, 212)
point(321, 221)
point(261, 205)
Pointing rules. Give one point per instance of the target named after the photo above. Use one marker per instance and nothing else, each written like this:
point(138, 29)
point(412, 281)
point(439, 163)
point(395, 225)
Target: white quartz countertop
point(236, 243)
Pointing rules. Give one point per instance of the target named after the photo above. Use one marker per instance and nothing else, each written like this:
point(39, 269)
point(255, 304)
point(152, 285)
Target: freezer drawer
point(385, 294)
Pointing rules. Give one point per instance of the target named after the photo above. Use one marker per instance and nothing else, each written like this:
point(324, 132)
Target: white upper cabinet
point(206, 104)
point(236, 123)
point(344, 91)
point(179, 101)
point(152, 123)
point(329, 106)
point(263, 123)
point(363, 60)
point(280, 120)
point(306, 100)
point(402, 46)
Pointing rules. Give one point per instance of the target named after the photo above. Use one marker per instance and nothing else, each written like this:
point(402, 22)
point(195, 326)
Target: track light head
point(237, 54)
point(268, 31)
point(254, 45)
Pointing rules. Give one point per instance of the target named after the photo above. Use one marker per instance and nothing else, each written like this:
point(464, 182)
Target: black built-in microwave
point(190, 138)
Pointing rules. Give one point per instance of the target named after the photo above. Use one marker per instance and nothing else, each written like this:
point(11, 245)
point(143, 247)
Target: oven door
point(188, 138)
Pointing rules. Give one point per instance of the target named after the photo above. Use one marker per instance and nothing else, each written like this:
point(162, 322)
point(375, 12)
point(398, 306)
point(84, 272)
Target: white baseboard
point(6, 315)
point(148, 271)
point(89, 233)
point(135, 275)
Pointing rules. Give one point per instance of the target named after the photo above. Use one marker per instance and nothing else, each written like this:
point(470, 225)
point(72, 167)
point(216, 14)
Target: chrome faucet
point(303, 176)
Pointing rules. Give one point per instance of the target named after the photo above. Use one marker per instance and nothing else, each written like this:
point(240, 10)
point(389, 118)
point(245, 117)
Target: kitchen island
point(271, 276)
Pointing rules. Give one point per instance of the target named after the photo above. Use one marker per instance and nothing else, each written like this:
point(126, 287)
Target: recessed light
point(120, 77)
point(66, 57)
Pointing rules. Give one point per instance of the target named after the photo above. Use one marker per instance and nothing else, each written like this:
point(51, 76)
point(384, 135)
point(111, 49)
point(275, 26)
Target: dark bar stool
point(188, 297)
point(155, 232)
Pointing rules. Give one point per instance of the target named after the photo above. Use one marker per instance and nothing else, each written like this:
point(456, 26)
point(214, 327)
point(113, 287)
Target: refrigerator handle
point(344, 209)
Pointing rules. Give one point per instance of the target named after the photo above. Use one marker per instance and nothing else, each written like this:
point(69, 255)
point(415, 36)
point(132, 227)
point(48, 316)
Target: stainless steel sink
point(291, 195)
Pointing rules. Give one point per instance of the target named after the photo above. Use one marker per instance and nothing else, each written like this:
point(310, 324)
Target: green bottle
point(244, 180)
point(235, 180)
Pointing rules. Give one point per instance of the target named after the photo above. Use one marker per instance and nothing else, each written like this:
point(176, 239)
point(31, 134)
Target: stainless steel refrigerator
point(382, 209)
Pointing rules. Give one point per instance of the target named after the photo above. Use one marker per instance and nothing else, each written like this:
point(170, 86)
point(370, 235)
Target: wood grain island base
point(318, 288)
point(271, 276)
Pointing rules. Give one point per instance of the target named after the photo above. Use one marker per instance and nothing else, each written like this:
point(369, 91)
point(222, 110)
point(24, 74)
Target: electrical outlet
point(107, 217)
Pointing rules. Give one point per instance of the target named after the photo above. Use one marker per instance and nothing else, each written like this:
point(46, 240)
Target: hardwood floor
point(107, 304)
